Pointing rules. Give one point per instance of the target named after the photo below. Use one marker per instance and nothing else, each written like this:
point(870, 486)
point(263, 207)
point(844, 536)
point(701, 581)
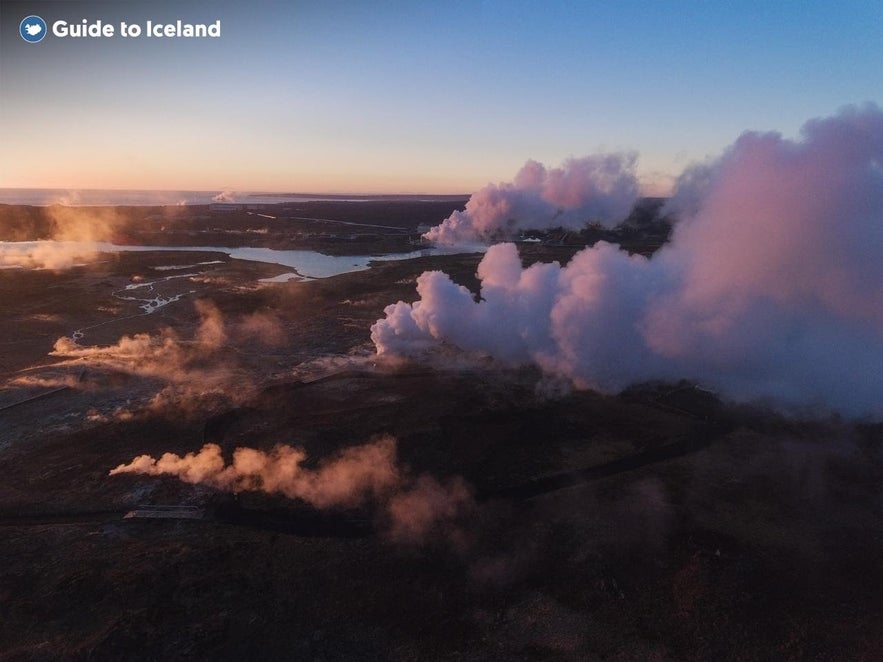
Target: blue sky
point(416, 97)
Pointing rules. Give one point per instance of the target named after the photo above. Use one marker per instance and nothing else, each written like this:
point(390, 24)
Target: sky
point(415, 97)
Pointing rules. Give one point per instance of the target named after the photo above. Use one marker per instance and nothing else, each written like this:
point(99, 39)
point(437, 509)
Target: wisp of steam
point(415, 507)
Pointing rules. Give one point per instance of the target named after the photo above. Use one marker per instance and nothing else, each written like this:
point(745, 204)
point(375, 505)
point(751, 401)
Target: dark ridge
point(39, 396)
point(701, 438)
point(61, 517)
point(299, 521)
point(282, 388)
point(302, 521)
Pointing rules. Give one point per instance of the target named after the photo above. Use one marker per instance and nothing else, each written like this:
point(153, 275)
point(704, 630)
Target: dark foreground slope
point(658, 524)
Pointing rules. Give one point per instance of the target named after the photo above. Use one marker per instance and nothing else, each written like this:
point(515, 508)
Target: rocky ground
point(655, 524)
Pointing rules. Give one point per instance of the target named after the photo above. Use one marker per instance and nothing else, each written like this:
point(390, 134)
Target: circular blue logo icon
point(32, 29)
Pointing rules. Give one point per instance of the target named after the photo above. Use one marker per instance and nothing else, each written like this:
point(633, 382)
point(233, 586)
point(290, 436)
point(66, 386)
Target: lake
point(304, 263)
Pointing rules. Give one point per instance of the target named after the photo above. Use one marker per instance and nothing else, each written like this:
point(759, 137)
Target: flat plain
point(658, 523)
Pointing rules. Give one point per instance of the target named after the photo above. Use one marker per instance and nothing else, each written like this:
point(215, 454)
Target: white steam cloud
point(55, 255)
point(75, 232)
point(600, 188)
point(771, 288)
point(226, 195)
point(415, 507)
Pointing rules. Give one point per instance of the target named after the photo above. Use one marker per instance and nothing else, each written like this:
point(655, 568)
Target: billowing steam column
point(771, 288)
point(594, 189)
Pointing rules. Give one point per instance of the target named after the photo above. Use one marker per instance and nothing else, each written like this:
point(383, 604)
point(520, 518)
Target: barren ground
point(656, 524)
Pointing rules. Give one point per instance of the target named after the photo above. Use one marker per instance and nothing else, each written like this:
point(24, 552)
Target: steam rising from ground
point(415, 506)
point(152, 356)
point(771, 288)
point(346, 480)
point(190, 370)
point(45, 254)
point(226, 195)
point(600, 188)
point(91, 224)
point(74, 235)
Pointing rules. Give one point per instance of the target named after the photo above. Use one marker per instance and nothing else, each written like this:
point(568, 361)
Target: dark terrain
point(657, 524)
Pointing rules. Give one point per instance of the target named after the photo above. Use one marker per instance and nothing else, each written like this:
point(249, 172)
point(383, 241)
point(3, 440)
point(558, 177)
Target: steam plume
point(345, 480)
point(45, 254)
point(415, 506)
point(75, 235)
point(771, 288)
point(600, 188)
point(190, 370)
point(226, 195)
point(84, 224)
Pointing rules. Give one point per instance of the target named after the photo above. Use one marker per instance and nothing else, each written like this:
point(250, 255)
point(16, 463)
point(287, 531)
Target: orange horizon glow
point(657, 185)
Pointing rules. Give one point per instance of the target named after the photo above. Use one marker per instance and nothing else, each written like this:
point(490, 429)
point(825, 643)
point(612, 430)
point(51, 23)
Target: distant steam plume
point(225, 196)
point(68, 236)
point(771, 288)
point(416, 507)
point(600, 188)
point(54, 255)
point(85, 224)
